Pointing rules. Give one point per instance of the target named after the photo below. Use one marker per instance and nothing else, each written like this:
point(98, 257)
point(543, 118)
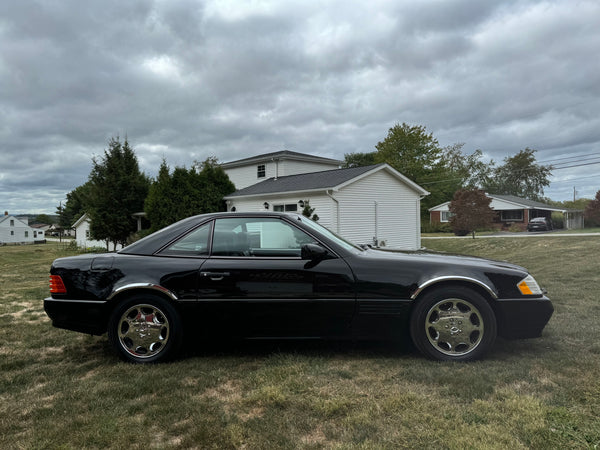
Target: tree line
point(417, 154)
point(117, 188)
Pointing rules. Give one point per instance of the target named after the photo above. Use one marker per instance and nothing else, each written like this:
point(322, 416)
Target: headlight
point(528, 286)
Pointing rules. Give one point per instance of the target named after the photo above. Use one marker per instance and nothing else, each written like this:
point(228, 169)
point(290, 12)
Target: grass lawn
point(60, 389)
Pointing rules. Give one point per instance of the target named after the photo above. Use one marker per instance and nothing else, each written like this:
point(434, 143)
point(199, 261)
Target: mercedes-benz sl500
point(276, 275)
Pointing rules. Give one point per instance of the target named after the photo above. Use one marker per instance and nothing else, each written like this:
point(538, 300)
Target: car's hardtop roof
point(154, 242)
point(538, 219)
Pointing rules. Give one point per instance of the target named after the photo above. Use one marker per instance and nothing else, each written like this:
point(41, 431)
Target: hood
point(431, 257)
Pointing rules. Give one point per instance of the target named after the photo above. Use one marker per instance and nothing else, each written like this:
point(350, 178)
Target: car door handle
point(216, 276)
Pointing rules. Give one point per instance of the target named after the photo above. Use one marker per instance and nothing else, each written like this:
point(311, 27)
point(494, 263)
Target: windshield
point(329, 234)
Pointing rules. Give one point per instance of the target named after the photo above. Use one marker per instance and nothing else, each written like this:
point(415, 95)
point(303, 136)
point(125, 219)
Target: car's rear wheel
point(145, 329)
point(453, 324)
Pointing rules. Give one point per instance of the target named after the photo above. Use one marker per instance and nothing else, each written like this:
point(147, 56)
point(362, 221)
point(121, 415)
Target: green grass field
point(60, 389)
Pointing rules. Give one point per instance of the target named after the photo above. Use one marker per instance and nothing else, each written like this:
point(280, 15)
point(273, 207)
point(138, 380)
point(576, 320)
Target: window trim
point(285, 207)
point(503, 219)
point(162, 252)
point(448, 214)
point(261, 171)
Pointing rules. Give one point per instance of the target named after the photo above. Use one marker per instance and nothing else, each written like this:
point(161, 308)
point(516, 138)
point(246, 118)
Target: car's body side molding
point(137, 286)
point(437, 280)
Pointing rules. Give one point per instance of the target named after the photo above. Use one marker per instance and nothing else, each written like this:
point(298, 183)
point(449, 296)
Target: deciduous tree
point(470, 210)
point(359, 159)
point(521, 176)
point(411, 151)
point(592, 211)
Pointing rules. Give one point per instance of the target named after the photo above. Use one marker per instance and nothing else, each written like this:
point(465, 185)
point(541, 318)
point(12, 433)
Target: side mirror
point(313, 252)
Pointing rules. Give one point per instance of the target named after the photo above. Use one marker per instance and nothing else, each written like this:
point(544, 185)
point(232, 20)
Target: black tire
point(145, 329)
point(453, 323)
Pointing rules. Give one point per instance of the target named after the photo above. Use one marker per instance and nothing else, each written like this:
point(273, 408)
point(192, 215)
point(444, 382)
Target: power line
point(518, 171)
point(596, 155)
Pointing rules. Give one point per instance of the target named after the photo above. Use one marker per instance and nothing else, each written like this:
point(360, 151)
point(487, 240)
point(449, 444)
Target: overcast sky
point(185, 80)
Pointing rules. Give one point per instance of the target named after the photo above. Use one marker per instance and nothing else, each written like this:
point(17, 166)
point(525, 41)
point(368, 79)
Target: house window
point(12, 223)
point(290, 207)
point(87, 234)
point(445, 216)
point(26, 234)
point(512, 215)
point(261, 171)
point(12, 233)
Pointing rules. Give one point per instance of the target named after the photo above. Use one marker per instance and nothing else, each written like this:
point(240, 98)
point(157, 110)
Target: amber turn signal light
point(56, 285)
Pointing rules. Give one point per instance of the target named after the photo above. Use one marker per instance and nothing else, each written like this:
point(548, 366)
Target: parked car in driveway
point(539, 224)
point(276, 275)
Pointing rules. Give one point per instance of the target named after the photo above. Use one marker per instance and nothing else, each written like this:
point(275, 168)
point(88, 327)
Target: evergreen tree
point(214, 185)
point(74, 207)
point(187, 192)
point(117, 190)
point(307, 211)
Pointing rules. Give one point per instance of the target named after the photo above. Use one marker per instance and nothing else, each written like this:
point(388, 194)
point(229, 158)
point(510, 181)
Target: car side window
point(258, 237)
point(192, 244)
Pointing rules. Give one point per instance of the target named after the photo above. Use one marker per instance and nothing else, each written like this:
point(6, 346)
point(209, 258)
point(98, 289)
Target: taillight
point(56, 285)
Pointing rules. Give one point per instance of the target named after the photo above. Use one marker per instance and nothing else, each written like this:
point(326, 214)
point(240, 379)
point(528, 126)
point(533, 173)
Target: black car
point(276, 275)
point(539, 224)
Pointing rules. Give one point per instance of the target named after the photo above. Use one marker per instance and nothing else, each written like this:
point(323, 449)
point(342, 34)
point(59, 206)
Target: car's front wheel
point(145, 329)
point(453, 324)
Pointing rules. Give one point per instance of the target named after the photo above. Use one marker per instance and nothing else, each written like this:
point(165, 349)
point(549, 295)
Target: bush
point(558, 220)
point(435, 227)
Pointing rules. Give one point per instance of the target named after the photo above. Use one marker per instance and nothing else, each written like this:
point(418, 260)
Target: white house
point(248, 171)
point(17, 231)
point(83, 237)
point(367, 205)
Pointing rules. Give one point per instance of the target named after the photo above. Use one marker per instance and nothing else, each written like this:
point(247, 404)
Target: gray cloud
point(184, 80)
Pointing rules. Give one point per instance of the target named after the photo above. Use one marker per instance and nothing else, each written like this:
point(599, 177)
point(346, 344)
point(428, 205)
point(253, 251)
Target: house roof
point(80, 220)
point(283, 154)
point(525, 203)
point(518, 202)
point(319, 181)
point(3, 218)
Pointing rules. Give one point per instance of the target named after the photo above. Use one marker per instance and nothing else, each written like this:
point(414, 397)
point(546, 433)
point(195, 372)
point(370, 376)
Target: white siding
point(16, 233)
point(84, 241)
point(380, 207)
point(395, 221)
point(291, 167)
point(246, 176)
point(502, 205)
point(323, 205)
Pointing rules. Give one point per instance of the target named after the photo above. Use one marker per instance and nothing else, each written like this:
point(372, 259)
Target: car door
point(256, 284)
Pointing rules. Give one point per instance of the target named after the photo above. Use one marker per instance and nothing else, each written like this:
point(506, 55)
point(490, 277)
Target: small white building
point(16, 231)
point(374, 205)
point(83, 236)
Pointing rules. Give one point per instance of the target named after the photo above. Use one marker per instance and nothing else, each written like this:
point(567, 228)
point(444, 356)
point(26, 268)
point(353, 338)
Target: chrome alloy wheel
point(143, 331)
point(454, 326)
